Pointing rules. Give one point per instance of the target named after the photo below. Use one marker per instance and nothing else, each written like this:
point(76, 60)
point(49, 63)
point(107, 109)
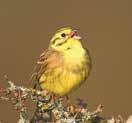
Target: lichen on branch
point(52, 108)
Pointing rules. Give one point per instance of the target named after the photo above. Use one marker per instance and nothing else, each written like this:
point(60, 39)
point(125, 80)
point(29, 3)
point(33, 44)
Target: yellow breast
point(68, 76)
point(64, 83)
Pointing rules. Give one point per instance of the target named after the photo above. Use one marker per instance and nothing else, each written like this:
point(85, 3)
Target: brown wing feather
point(47, 61)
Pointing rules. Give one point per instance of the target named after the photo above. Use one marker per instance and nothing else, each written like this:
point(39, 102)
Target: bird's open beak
point(74, 35)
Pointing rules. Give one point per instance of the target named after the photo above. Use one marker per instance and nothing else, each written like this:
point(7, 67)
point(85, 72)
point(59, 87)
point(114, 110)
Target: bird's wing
point(89, 61)
point(47, 61)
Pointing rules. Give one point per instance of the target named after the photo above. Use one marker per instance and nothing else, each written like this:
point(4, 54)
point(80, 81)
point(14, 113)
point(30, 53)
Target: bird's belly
point(64, 82)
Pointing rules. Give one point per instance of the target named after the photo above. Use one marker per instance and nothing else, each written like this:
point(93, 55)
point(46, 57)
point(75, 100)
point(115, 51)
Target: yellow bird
point(65, 65)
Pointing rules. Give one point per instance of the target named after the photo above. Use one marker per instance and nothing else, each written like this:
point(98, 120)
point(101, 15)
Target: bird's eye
point(63, 35)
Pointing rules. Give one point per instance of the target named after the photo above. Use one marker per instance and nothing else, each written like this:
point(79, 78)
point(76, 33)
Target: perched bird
point(65, 65)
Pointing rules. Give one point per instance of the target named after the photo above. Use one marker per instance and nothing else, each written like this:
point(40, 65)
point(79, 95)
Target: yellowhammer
point(65, 65)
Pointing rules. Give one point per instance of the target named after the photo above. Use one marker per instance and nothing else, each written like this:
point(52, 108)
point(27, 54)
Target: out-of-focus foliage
point(53, 108)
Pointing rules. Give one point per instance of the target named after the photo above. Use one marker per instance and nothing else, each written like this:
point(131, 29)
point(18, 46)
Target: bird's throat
point(74, 56)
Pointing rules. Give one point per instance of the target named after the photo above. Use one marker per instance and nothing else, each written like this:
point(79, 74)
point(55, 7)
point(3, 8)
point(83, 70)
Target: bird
point(65, 65)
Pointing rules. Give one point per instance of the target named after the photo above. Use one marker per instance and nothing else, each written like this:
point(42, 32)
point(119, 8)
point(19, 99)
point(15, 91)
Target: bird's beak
point(74, 35)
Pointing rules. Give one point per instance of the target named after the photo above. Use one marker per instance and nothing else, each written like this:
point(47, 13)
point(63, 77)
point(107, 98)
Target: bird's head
point(65, 39)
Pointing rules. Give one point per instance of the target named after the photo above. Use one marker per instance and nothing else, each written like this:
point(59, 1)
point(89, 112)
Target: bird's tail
point(33, 81)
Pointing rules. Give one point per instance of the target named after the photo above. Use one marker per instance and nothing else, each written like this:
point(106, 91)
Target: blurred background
point(106, 26)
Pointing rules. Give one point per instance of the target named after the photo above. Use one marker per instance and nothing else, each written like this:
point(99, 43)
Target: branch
point(52, 108)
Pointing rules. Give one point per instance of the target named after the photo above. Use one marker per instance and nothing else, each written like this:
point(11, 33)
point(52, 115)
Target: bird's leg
point(70, 107)
point(53, 97)
point(68, 101)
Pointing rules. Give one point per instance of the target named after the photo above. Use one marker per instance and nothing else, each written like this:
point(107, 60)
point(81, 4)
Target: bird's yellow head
point(65, 39)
